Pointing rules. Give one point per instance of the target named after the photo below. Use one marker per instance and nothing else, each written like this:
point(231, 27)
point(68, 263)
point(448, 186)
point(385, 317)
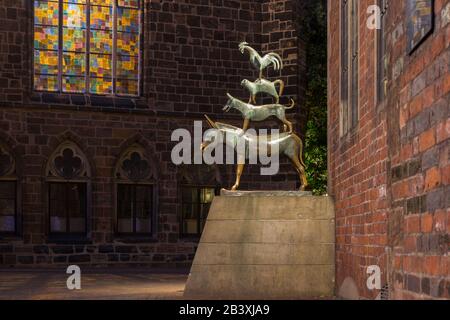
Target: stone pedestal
point(265, 245)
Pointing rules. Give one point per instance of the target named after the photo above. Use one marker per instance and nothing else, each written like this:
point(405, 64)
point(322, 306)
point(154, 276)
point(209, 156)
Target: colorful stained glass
point(101, 17)
point(101, 41)
point(46, 12)
point(74, 15)
point(102, 2)
point(74, 63)
point(127, 43)
point(45, 83)
point(127, 20)
point(127, 67)
point(100, 65)
point(101, 85)
point(127, 87)
point(74, 39)
point(63, 66)
point(129, 3)
point(46, 38)
point(46, 62)
point(73, 84)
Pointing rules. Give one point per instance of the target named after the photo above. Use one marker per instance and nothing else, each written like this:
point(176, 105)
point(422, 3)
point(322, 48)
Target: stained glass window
point(87, 46)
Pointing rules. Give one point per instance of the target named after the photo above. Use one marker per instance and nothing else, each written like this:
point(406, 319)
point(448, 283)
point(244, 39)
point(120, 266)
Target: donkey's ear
point(230, 96)
point(211, 123)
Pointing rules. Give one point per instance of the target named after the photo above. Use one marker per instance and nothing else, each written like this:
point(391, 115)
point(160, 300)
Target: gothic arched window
point(8, 193)
point(68, 177)
point(136, 194)
point(87, 46)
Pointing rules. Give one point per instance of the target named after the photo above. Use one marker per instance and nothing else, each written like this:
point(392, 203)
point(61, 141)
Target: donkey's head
point(212, 136)
point(220, 133)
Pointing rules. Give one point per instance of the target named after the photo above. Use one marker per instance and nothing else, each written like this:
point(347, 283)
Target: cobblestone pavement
point(95, 284)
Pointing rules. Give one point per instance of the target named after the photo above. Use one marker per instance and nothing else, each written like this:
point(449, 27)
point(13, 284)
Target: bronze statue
point(289, 144)
point(259, 113)
point(263, 86)
point(259, 62)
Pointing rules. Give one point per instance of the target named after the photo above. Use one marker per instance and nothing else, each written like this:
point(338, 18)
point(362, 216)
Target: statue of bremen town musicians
point(288, 142)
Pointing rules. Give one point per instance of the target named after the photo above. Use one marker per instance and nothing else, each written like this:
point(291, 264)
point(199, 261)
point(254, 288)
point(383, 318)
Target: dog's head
point(229, 104)
point(245, 83)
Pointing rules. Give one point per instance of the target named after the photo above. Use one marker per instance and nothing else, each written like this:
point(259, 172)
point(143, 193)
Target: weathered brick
point(426, 286)
point(40, 249)
point(80, 258)
point(126, 249)
point(106, 249)
point(25, 259)
point(60, 259)
point(432, 179)
point(62, 249)
point(436, 200)
point(6, 248)
point(413, 283)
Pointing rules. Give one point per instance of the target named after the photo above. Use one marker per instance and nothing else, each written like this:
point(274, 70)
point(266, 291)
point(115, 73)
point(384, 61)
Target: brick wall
point(390, 175)
point(191, 60)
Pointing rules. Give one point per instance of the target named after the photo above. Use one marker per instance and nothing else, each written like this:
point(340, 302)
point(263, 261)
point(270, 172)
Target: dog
point(260, 113)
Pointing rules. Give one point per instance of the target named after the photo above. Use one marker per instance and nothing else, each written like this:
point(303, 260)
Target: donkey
point(259, 113)
point(289, 144)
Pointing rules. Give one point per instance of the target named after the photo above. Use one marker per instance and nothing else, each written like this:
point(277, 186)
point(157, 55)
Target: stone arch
point(70, 139)
point(10, 202)
point(9, 146)
point(8, 166)
point(135, 165)
point(133, 151)
point(67, 175)
point(136, 172)
point(68, 162)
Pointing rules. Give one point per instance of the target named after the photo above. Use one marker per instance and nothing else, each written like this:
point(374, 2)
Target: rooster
point(264, 62)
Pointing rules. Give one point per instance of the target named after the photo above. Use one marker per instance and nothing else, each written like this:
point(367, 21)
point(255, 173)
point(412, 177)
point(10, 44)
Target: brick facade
point(190, 60)
point(390, 175)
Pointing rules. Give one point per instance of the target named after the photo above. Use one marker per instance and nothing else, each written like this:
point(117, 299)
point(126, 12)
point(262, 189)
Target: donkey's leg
point(301, 172)
point(246, 124)
point(254, 99)
point(239, 170)
point(250, 99)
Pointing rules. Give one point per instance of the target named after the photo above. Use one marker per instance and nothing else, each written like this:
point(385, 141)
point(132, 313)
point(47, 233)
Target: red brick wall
point(191, 60)
point(389, 177)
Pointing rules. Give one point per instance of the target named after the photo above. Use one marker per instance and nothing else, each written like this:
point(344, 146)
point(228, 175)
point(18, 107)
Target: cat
point(263, 86)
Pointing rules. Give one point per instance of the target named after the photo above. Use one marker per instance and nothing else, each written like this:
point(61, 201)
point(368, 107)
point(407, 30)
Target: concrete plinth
point(273, 245)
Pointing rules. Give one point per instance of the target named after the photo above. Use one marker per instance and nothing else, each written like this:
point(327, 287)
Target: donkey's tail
point(291, 106)
point(300, 154)
point(281, 89)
